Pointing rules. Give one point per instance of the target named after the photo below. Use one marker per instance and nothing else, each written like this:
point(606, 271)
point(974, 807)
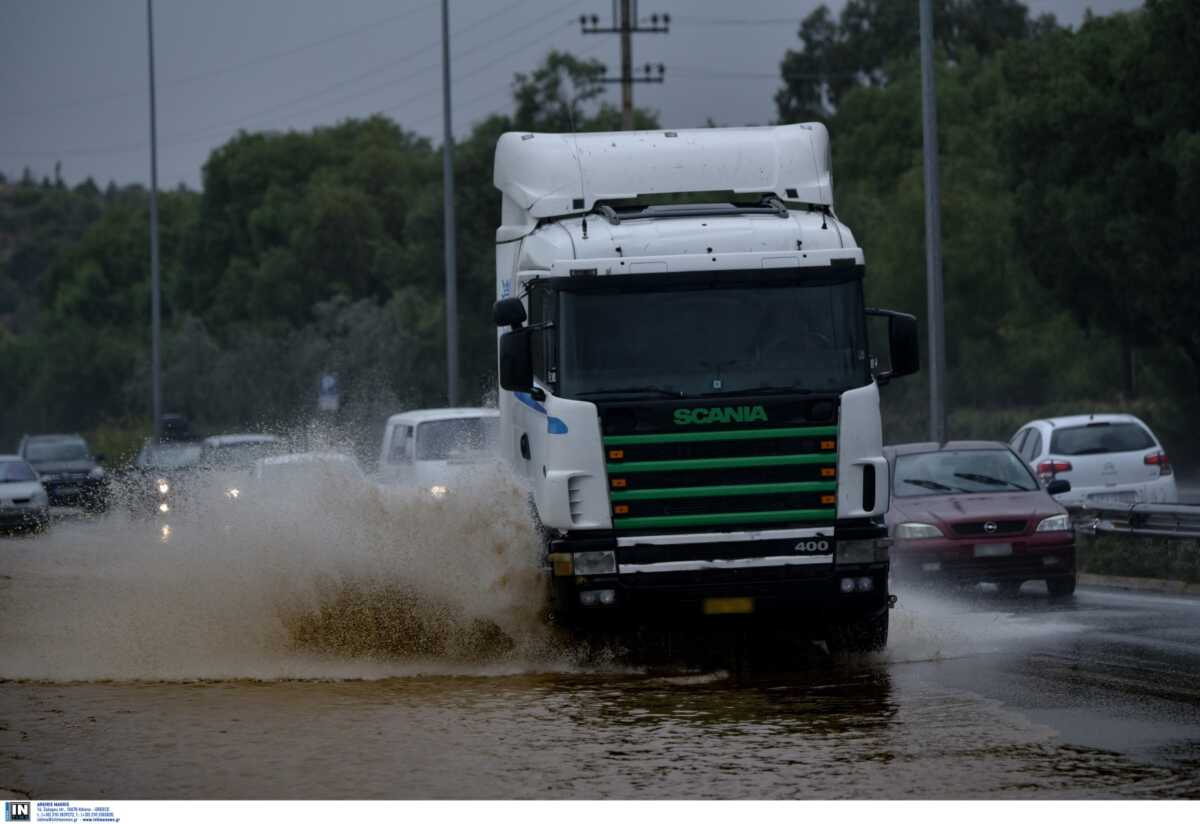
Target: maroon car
point(971, 511)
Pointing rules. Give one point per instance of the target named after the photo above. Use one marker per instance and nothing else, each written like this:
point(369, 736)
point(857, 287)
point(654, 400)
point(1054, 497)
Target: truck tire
point(1062, 586)
point(865, 635)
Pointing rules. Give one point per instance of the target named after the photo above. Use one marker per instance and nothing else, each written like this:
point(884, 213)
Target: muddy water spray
point(315, 577)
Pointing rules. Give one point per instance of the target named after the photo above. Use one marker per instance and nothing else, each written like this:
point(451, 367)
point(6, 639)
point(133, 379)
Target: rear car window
point(1099, 439)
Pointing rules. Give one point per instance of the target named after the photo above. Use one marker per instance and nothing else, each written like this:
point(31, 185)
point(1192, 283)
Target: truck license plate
point(992, 550)
point(728, 606)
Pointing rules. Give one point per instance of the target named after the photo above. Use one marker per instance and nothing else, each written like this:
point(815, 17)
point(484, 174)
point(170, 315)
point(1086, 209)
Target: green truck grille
point(723, 478)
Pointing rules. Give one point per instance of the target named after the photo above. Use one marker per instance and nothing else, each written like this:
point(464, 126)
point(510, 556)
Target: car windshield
point(16, 472)
point(238, 455)
point(168, 456)
point(438, 440)
point(47, 451)
point(1099, 439)
point(957, 471)
point(717, 339)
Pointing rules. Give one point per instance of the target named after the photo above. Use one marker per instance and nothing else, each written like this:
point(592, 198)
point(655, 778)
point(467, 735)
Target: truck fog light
point(931, 567)
point(864, 584)
point(847, 585)
point(1050, 560)
point(598, 597)
point(603, 562)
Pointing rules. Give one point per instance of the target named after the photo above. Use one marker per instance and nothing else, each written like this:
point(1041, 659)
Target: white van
point(428, 447)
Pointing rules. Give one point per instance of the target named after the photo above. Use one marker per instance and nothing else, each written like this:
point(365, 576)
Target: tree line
point(1070, 170)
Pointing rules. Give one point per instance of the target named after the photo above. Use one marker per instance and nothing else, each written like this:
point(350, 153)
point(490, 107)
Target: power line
point(737, 21)
point(228, 69)
point(627, 24)
point(203, 133)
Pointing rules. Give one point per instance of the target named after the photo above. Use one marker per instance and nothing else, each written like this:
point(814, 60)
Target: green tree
point(837, 56)
point(1103, 144)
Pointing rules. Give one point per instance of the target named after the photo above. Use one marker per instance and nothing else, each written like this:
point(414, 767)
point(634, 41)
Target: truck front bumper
point(720, 583)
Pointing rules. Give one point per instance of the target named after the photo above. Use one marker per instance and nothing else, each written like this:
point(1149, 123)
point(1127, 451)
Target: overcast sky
point(73, 72)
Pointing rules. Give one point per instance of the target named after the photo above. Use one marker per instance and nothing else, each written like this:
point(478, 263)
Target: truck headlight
point(595, 563)
point(862, 552)
point(439, 491)
point(163, 486)
point(914, 530)
point(1055, 523)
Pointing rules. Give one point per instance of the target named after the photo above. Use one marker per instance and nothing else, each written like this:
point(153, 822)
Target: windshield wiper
point(761, 390)
point(635, 390)
point(988, 479)
point(934, 485)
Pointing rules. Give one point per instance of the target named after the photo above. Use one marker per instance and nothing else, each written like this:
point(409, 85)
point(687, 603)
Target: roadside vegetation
point(1070, 170)
point(1161, 558)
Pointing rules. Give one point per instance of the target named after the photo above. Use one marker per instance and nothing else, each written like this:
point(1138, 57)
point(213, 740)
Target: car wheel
point(865, 635)
point(1062, 586)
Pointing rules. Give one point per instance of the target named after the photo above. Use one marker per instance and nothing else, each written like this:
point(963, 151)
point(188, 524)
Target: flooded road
point(268, 653)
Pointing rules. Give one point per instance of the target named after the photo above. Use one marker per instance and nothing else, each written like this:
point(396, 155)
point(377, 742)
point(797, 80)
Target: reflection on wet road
point(978, 696)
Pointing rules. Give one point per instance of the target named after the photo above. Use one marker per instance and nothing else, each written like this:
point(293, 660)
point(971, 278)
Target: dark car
point(161, 476)
point(971, 511)
point(71, 474)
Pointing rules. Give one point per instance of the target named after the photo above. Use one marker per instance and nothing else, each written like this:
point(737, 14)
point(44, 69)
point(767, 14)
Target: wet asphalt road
point(133, 668)
point(1113, 670)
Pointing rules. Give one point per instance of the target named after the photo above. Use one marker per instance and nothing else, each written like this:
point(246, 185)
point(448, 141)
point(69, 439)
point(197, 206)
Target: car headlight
point(233, 493)
point(595, 563)
point(97, 473)
point(915, 530)
point(439, 491)
point(163, 486)
point(1055, 523)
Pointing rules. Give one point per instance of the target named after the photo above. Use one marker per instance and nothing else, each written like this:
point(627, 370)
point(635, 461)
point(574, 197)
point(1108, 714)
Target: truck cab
point(686, 381)
point(430, 448)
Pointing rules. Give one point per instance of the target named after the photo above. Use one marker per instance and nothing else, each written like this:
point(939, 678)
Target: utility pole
point(933, 235)
point(625, 23)
point(448, 218)
point(155, 299)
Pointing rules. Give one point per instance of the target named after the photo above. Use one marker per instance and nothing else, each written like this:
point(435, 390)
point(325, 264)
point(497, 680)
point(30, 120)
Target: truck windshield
point(713, 339)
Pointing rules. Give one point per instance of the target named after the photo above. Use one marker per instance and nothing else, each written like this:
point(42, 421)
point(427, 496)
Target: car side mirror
point(1058, 486)
point(903, 344)
point(516, 361)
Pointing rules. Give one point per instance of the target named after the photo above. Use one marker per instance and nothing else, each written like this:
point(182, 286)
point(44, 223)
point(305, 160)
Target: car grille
point(978, 529)
point(777, 469)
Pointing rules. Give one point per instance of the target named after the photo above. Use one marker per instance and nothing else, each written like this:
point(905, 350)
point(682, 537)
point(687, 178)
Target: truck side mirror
point(516, 360)
point(903, 343)
point(509, 312)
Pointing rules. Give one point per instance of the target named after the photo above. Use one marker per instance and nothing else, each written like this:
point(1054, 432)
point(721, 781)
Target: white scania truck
point(686, 382)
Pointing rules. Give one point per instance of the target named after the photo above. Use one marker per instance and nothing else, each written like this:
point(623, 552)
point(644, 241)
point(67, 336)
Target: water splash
point(315, 576)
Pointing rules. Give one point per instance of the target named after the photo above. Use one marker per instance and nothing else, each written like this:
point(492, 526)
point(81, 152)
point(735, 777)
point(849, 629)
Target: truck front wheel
point(864, 635)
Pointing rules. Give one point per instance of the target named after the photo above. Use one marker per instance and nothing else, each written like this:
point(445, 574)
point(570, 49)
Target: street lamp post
point(933, 235)
point(448, 218)
point(155, 298)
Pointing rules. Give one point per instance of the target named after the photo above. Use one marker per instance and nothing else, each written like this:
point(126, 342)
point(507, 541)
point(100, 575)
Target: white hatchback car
point(1109, 459)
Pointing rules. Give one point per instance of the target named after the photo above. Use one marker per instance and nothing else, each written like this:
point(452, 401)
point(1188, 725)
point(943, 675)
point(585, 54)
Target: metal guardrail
point(1139, 520)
